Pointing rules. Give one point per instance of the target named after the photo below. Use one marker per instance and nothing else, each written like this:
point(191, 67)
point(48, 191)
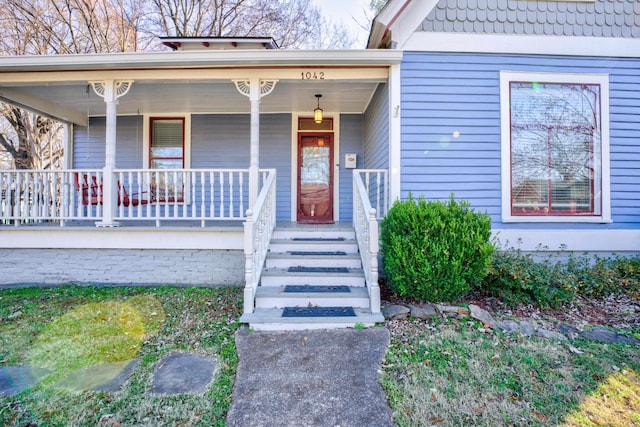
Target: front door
point(315, 178)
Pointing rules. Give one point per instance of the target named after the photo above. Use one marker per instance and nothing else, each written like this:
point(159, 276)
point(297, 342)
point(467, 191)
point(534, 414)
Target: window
point(554, 147)
point(167, 152)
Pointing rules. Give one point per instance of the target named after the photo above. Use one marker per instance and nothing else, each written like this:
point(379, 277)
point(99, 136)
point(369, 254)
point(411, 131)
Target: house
point(197, 165)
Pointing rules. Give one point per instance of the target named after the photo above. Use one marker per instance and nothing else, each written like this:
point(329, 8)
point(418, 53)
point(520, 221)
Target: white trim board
point(569, 240)
point(336, 161)
point(422, 41)
point(506, 77)
point(33, 237)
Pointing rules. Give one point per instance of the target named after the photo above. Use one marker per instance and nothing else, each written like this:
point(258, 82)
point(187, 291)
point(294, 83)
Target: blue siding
point(351, 137)
point(451, 127)
point(376, 130)
point(222, 141)
point(89, 146)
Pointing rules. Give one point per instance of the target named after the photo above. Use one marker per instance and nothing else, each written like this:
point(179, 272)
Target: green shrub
point(517, 278)
point(435, 251)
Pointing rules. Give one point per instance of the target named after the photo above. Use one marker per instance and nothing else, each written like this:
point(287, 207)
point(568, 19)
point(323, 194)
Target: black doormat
point(318, 270)
point(317, 253)
point(317, 288)
point(318, 312)
point(319, 239)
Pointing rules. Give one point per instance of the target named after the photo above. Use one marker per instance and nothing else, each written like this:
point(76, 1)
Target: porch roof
point(195, 81)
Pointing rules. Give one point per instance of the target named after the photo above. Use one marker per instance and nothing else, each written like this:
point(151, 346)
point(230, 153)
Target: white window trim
point(505, 118)
point(146, 133)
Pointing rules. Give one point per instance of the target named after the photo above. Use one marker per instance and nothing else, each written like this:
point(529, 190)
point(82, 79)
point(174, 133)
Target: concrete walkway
point(310, 378)
point(303, 378)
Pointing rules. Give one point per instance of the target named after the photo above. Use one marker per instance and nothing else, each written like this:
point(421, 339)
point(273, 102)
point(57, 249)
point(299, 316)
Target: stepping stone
point(108, 377)
point(180, 373)
point(16, 379)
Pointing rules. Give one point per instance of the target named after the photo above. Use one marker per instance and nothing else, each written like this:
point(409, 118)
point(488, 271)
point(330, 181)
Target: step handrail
point(258, 229)
point(365, 223)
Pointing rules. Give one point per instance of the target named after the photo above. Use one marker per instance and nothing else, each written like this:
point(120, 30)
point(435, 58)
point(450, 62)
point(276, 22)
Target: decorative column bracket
point(266, 87)
point(120, 89)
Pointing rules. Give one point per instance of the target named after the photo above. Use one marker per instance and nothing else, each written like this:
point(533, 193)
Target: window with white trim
point(167, 154)
point(554, 147)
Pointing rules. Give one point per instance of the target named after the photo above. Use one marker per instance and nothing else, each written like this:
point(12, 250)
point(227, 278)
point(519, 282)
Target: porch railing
point(376, 184)
point(33, 196)
point(365, 223)
point(182, 194)
point(258, 229)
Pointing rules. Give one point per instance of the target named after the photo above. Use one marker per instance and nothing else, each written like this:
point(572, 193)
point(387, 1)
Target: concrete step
point(270, 319)
point(276, 297)
point(313, 244)
point(312, 259)
point(280, 277)
point(326, 232)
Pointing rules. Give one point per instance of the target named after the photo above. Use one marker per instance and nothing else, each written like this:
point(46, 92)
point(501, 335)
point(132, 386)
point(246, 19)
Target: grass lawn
point(445, 373)
point(67, 328)
point(449, 373)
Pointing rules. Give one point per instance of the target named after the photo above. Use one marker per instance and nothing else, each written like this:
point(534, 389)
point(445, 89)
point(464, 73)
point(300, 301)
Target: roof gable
point(399, 19)
point(606, 18)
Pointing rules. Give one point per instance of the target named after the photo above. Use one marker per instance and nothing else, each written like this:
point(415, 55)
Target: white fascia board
point(402, 18)
point(423, 41)
point(551, 240)
point(190, 59)
point(121, 238)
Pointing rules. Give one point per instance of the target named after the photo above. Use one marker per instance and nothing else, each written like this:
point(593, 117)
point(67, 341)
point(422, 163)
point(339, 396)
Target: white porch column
point(395, 133)
point(110, 91)
point(255, 89)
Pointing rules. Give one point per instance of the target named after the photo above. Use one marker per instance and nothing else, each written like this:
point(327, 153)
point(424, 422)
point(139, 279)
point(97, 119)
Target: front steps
point(323, 258)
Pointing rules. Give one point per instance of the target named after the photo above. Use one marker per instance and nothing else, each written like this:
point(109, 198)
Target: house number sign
point(312, 75)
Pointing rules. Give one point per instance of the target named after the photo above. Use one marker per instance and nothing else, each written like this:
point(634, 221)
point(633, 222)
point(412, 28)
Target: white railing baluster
point(240, 190)
point(221, 194)
point(231, 211)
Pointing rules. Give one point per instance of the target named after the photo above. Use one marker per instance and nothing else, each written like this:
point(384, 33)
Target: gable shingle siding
point(602, 18)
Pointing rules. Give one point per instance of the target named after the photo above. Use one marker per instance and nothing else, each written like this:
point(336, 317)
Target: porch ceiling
point(77, 99)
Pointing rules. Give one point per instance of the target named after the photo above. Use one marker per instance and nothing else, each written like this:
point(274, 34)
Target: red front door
point(315, 178)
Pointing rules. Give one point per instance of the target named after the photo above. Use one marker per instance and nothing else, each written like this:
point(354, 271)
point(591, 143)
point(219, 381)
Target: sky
point(344, 10)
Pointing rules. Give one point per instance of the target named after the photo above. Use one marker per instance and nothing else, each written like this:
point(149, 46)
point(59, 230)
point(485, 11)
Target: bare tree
point(44, 27)
point(292, 23)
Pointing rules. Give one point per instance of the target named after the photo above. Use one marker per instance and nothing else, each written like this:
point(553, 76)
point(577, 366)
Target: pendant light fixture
point(317, 113)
